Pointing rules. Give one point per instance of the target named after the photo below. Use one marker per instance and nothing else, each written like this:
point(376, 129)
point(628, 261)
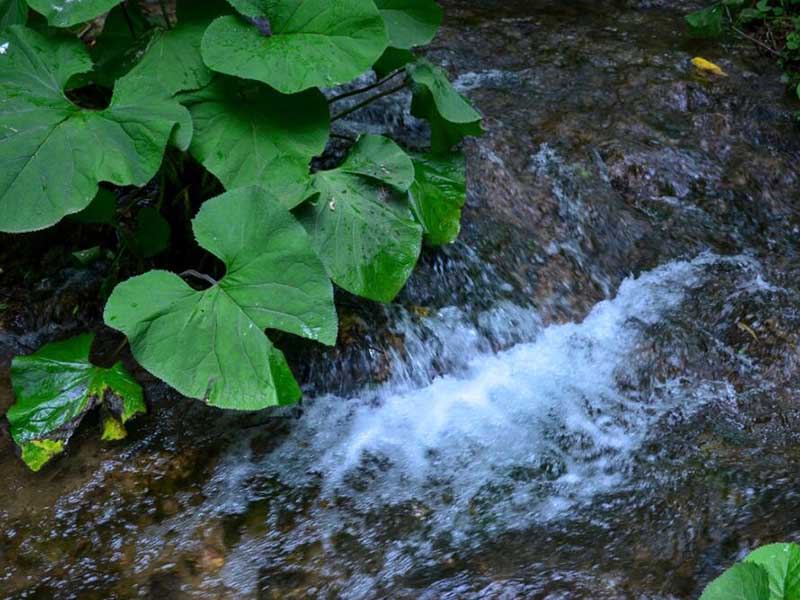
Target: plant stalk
point(367, 88)
point(369, 100)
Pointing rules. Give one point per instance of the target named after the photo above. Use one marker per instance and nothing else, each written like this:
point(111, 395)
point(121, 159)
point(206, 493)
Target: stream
point(593, 394)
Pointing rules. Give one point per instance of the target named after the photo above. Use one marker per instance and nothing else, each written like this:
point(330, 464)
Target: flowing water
point(594, 394)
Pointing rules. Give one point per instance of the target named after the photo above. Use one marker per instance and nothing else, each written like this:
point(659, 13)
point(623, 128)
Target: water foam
point(500, 442)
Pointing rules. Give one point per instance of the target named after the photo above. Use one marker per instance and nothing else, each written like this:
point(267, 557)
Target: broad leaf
point(782, 564)
point(211, 344)
point(248, 134)
point(55, 387)
point(13, 12)
point(410, 22)
point(743, 581)
point(294, 45)
point(65, 13)
point(173, 55)
point(54, 153)
point(360, 222)
point(436, 100)
point(438, 194)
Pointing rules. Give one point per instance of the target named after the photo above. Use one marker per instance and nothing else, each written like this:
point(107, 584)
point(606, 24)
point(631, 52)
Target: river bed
point(593, 394)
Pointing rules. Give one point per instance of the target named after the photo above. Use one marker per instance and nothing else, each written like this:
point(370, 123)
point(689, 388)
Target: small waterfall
point(501, 442)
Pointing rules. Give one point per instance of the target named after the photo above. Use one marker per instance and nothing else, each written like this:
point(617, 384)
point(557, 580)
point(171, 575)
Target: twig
point(372, 86)
point(755, 40)
point(342, 136)
point(369, 100)
point(749, 37)
point(198, 275)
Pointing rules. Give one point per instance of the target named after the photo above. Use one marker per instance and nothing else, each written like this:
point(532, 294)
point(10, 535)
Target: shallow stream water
point(593, 394)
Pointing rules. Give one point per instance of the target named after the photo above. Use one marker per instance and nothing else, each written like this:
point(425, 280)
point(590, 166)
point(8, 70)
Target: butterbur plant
point(220, 106)
point(771, 572)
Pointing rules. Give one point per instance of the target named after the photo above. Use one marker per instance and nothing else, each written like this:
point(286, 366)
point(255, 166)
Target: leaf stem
point(367, 88)
point(369, 100)
point(198, 275)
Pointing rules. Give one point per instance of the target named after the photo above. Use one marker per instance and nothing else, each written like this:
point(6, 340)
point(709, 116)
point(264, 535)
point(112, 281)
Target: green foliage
point(248, 134)
point(55, 387)
point(13, 12)
point(210, 344)
point(65, 13)
point(706, 22)
point(218, 112)
point(769, 573)
point(410, 23)
point(360, 223)
point(450, 115)
point(773, 24)
point(294, 45)
point(438, 194)
point(53, 163)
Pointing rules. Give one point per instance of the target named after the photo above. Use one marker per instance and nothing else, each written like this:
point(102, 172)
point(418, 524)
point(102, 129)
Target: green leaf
point(438, 195)
point(151, 234)
point(211, 344)
point(360, 223)
point(782, 564)
point(706, 23)
point(249, 134)
point(410, 22)
point(381, 159)
point(101, 211)
point(452, 118)
point(55, 387)
point(311, 43)
point(743, 581)
point(13, 12)
point(66, 13)
point(173, 55)
point(54, 153)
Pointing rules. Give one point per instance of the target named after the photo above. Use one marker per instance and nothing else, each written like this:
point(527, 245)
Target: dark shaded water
point(593, 395)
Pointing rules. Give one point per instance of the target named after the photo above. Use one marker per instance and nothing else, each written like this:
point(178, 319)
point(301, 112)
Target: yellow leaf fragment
point(706, 66)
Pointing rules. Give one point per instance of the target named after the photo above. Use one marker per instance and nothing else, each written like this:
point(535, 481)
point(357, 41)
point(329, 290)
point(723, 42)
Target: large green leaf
point(743, 581)
point(173, 55)
point(248, 134)
point(293, 45)
point(410, 22)
point(65, 13)
point(360, 222)
point(13, 12)
point(211, 344)
point(55, 387)
point(53, 153)
point(438, 195)
point(436, 100)
point(782, 563)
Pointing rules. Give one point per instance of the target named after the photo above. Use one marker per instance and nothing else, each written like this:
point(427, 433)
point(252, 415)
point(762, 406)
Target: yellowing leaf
point(706, 66)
